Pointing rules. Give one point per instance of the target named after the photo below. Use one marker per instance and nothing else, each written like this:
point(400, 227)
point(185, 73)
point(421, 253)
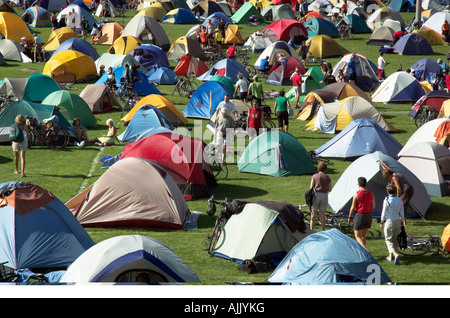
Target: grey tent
point(148, 30)
point(13, 51)
point(382, 36)
point(99, 98)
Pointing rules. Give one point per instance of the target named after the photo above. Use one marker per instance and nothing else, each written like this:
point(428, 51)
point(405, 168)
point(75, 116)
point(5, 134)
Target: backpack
point(402, 239)
point(261, 263)
point(16, 134)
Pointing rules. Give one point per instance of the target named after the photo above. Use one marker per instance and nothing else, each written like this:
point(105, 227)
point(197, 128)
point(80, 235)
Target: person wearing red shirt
point(231, 52)
point(297, 82)
point(363, 203)
point(255, 120)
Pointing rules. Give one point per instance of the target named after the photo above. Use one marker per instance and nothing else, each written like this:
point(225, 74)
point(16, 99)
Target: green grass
point(63, 172)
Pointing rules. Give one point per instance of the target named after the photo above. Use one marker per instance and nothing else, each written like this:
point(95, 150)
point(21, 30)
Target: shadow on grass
point(5, 160)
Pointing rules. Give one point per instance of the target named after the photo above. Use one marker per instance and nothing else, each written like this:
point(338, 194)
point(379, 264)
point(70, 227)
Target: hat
point(23, 38)
point(223, 110)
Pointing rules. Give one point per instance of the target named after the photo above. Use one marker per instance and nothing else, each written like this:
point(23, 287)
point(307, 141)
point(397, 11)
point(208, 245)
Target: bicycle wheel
point(419, 121)
point(250, 70)
point(214, 238)
point(416, 246)
point(32, 137)
point(57, 139)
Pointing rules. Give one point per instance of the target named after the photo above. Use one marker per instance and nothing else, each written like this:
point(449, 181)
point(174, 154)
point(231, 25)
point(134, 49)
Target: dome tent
point(79, 45)
point(147, 30)
point(283, 29)
point(70, 66)
point(399, 87)
point(205, 99)
point(413, 44)
point(322, 46)
point(366, 71)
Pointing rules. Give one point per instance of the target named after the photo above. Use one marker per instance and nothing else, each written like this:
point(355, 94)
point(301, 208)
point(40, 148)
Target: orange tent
point(190, 66)
point(446, 238)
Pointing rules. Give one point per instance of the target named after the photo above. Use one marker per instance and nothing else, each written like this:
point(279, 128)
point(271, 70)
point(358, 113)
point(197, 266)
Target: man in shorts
point(363, 203)
point(297, 82)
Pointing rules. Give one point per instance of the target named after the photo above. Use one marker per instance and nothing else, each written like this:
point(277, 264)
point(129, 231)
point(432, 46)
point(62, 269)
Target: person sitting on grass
point(108, 139)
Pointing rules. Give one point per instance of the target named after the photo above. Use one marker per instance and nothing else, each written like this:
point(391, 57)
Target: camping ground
point(66, 172)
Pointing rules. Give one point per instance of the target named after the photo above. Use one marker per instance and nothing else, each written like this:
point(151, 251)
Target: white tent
point(399, 87)
point(257, 42)
point(116, 60)
point(367, 78)
point(430, 162)
point(274, 49)
point(436, 21)
point(13, 51)
point(110, 9)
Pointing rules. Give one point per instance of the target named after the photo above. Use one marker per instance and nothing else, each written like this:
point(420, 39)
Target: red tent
point(182, 157)
point(283, 29)
point(281, 72)
point(190, 66)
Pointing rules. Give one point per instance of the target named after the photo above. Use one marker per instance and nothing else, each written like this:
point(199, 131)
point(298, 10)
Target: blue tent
point(225, 67)
point(316, 26)
point(215, 19)
point(427, 70)
point(413, 44)
point(79, 45)
point(362, 136)
point(328, 257)
point(142, 87)
point(149, 55)
point(179, 16)
point(205, 99)
point(37, 229)
point(401, 5)
point(146, 117)
point(162, 76)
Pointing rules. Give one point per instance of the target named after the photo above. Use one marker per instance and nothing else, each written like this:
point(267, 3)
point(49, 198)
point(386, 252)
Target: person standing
point(255, 120)
point(242, 87)
point(20, 142)
point(381, 66)
point(321, 183)
point(363, 203)
point(297, 83)
point(223, 131)
point(445, 30)
point(351, 69)
point(280, 109)
point(392, 219)
point(228, 105)
point(255, 89)
point(38, 49)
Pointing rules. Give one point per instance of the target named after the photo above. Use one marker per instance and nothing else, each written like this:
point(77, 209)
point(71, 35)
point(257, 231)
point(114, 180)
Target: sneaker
point(397, 260)
point(76, 144)
point(81, 144)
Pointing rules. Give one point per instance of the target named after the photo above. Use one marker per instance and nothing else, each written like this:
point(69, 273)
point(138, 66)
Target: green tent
point(71, 105)
point(225, 80)
point(311, 83)
point(34, 88)
point(358, 24)
point(277, 12)
point(245, 11)
point(276, 153)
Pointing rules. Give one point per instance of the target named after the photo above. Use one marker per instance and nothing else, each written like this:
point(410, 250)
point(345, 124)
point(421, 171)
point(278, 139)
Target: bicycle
point(8, 275)
point(213, 157)
point(267, 112)
point(426, 113)
point(345, 32)
point(418, 245)
point(316, 159)
point(185, 87)
point(5, 100)
point(332, 220)
point(48, 134)
point(243, 58)
point(219, 225)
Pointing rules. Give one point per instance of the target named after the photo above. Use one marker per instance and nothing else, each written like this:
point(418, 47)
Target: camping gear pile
point(144, 186)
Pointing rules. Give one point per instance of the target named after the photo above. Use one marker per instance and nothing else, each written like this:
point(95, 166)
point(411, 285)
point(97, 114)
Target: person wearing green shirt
point(280, 109)
point(255, 89)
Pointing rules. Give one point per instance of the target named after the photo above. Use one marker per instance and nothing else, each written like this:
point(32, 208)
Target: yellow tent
point(184, 45)
point(124, 45)
point(13, 27)
point(321, 46)
point(57, 37)
point(70, 66)
point(233, 35)
point(431, 36)
point(265, 3)
point(108, 34)
point(155, 11)
point(444, 112)
point(445, 238)
point(163, 104)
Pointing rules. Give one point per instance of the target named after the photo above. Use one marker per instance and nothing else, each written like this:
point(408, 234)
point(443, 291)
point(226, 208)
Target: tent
point(242, 15)
point(37, 17)
point(276, 12)
point(124, 45)
point(179, 16)
point(205, 8)
point(215, 18)
point(57, 37)
point(13, 51)
point(233, 35)
point(276, 153)
point(445, 238)
point(163, 104)
point(129, 259)
point(75, 23)
point(140, 193)
point(401, 6)
point(116, 60)
point(70, 66)
point(226, 67)
point(399, 87)
point(328, 258)
point(366, 71)
point(108, 8)
point(109, 33)
point(316, 26)
point(182, 157)
point(162, 76)
point(6, 7)
point(225, 80)
point(336, 116)
point(72, 106)
point(146, 117)
point(430, 162)
point(383, 35)
point(34, 88)
point(190, 66)
point(13, 27)
point(431, 36)
point(377, 18)
point(322, 46)
point(147, 30)
point(80, 45)
point(142, 87)
point(155, 11)
point(274, 50)
point(182, 46)
point(368, 166)
point(310, 82)
point(205, 99)
point(38, 231)
point(445, 110)
point(260, 228)
point(53, 5)
point(257, 42)
point(99, 98)
point(427, 70)
point(436, 21)
point(281, 72)
point(360, 137)
point(150, 56)
point(413, 44)
point(283, 29)
point(357, 23)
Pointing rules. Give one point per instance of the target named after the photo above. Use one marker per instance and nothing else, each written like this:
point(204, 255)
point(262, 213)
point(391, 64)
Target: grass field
point(66, 171)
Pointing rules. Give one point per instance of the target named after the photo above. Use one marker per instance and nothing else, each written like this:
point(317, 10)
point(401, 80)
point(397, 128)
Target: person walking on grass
point(362, 205)
point(20, 143)
point(280, 109)
point(392, 219)
point(321, 183)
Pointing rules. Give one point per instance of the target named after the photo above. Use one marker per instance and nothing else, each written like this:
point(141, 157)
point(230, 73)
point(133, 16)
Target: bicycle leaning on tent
point(48, 134)
point(221, 220)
